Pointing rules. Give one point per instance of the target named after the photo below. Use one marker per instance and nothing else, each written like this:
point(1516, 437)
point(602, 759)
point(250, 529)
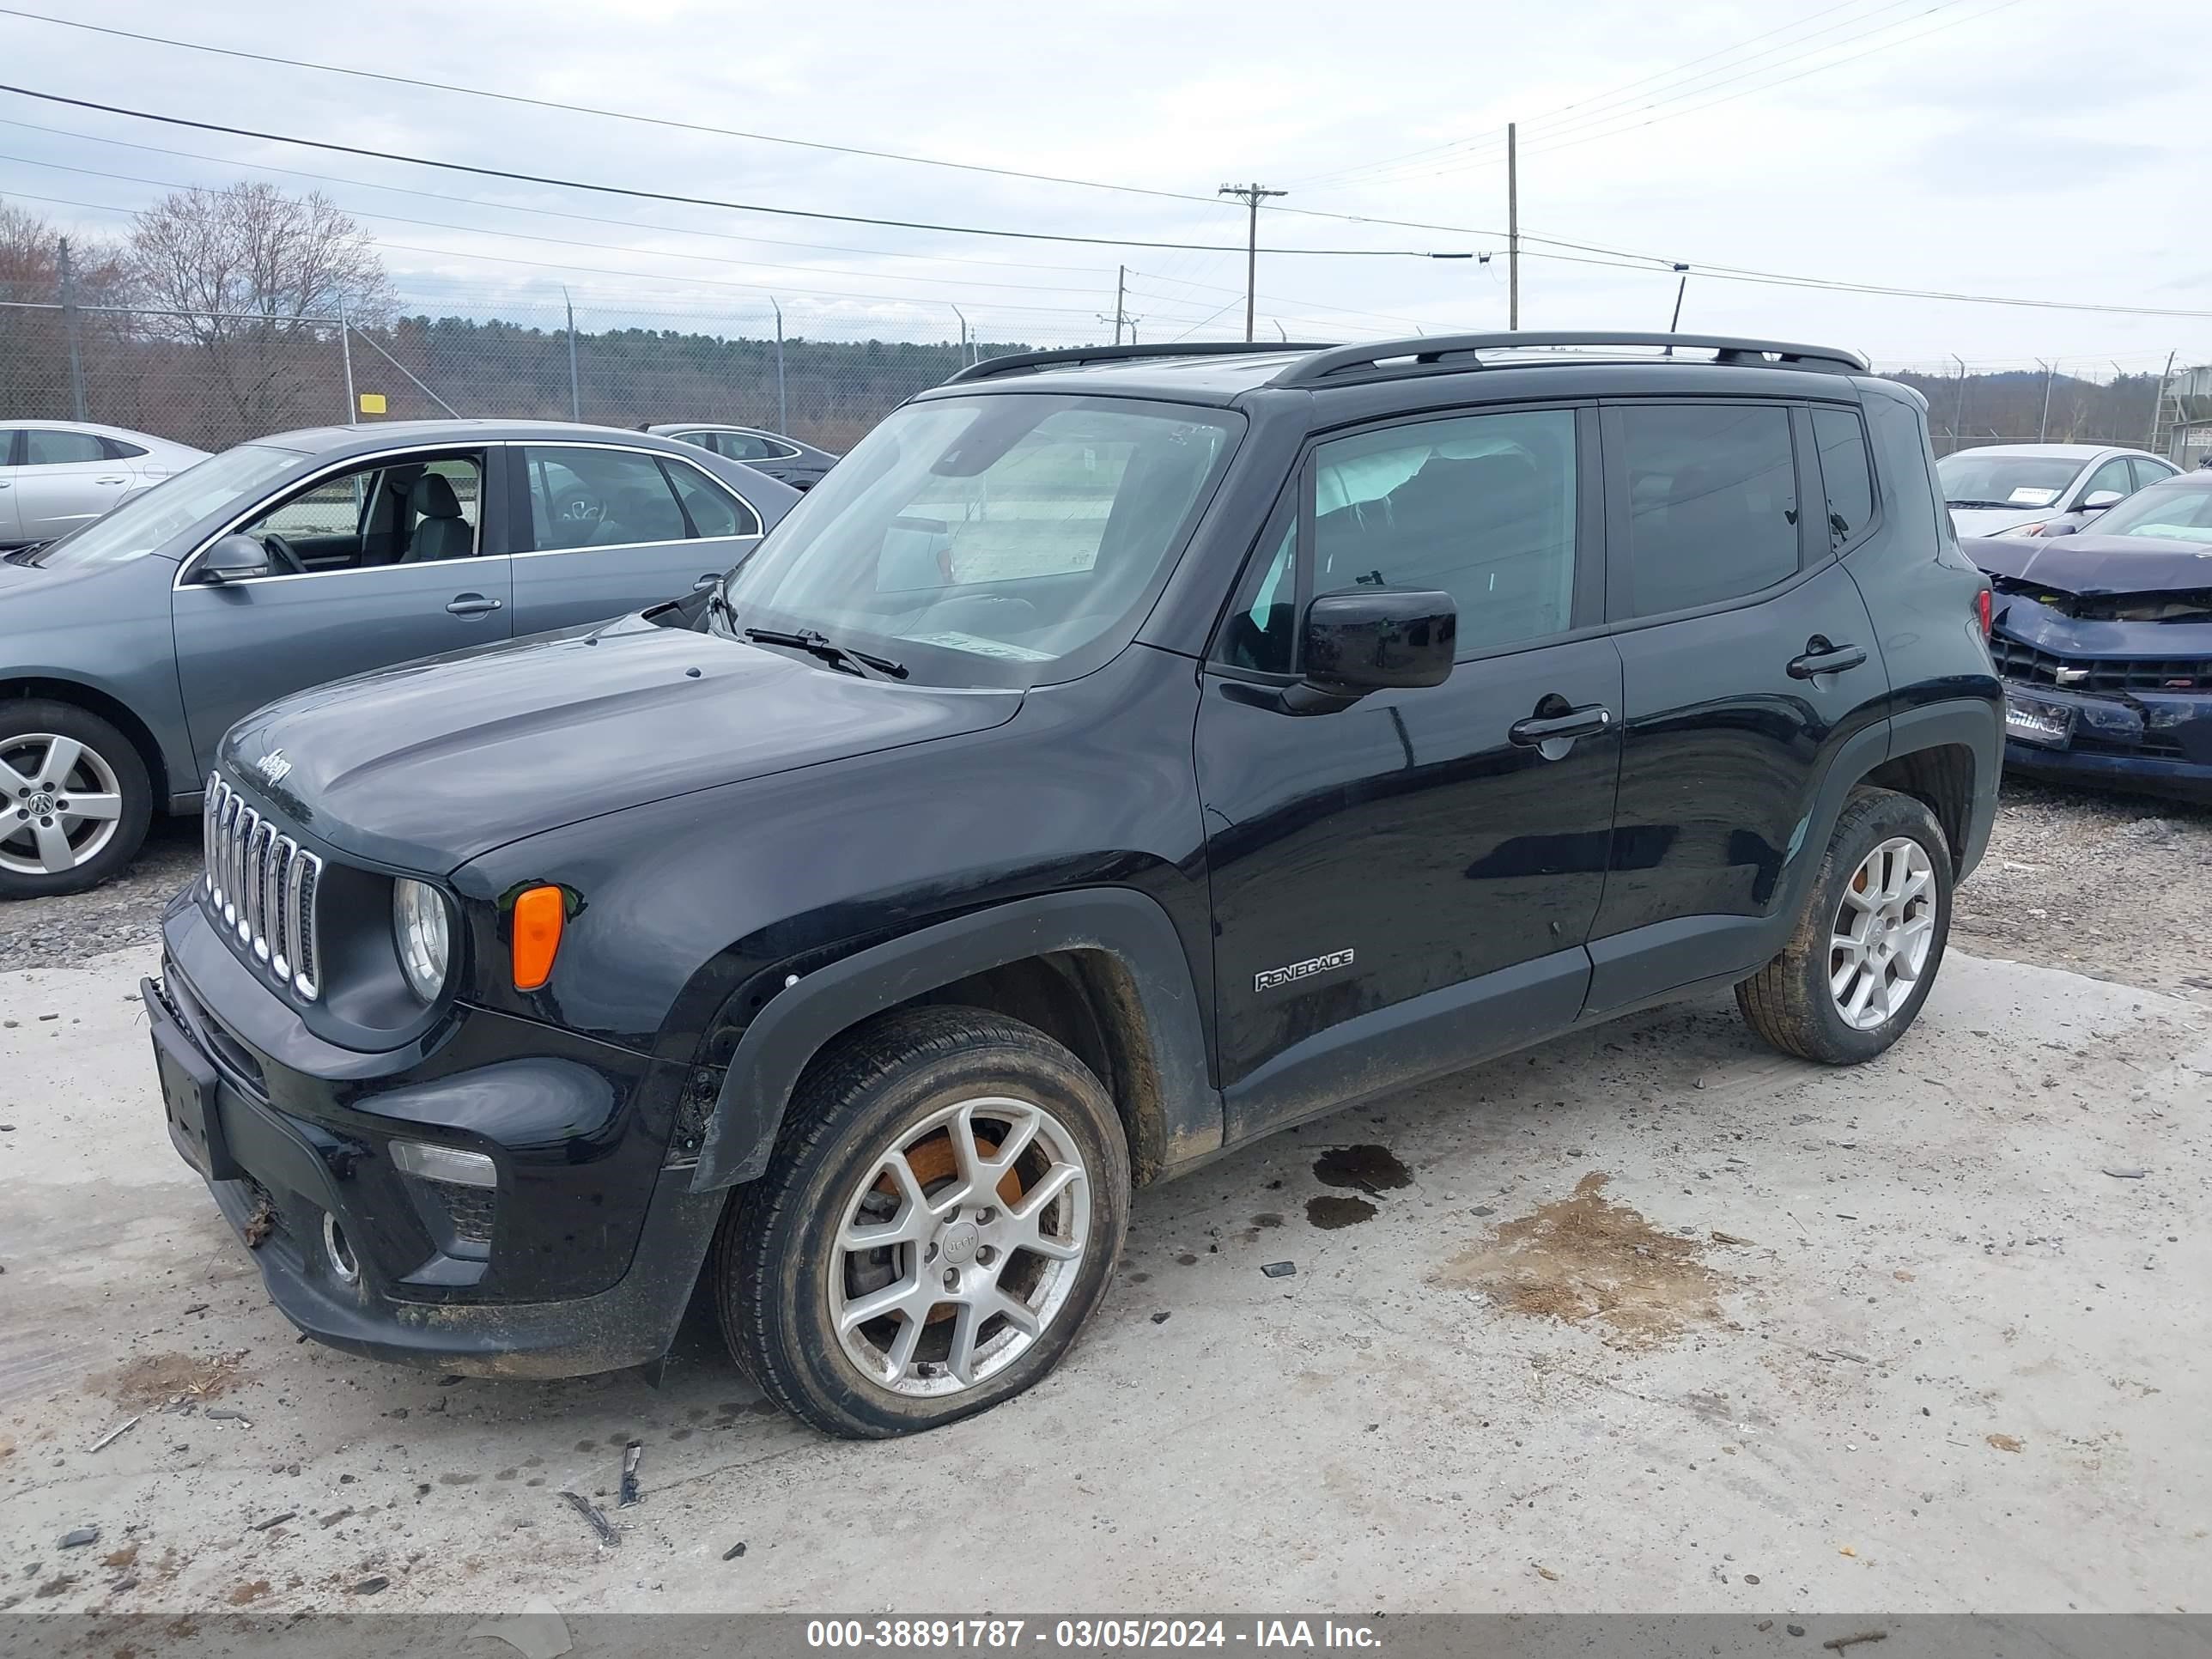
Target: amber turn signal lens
point(539, 913)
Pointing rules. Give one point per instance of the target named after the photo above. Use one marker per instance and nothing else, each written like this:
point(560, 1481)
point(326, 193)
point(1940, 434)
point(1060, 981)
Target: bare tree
point(252, 277)
point(34, 337)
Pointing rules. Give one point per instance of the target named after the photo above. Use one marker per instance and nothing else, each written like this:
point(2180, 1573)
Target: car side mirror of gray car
point(2098, 500)
point(235, 558)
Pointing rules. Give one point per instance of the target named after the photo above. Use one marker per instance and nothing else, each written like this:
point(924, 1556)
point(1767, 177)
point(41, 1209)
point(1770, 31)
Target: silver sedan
point(56, 475)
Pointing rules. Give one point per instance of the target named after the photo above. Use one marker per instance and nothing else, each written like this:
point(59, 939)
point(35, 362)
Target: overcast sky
point(2033, 148)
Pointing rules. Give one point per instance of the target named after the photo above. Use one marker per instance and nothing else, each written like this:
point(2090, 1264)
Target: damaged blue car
point(2104, 642)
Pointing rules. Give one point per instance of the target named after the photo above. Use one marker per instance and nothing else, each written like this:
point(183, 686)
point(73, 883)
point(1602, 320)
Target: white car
point(56, 475)
point(2003, 487)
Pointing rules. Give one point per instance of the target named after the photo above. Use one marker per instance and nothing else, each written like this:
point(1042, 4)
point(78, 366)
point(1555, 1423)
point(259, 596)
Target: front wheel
point(75, 801)
point(1864, 954)
point(946, 1206)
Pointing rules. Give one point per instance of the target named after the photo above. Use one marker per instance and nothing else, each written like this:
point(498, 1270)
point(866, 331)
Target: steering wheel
point(285, 561)
point(577, 505)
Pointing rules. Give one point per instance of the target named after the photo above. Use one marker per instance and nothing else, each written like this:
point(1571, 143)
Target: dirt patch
point(1373, 1171)
point(2003, 1441)
point(125, 1556)
point(155, 1379)
point(250, 1591)
point(1581, 1258)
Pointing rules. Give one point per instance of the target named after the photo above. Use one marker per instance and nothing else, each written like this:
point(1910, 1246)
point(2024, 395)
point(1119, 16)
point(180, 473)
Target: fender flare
point(1975, 724)
point(792, 1029)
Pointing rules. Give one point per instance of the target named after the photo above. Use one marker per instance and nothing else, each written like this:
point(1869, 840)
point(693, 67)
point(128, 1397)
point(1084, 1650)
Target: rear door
point(605, 531)
point(1749, 660)
point(65, 479)
point(363, 603)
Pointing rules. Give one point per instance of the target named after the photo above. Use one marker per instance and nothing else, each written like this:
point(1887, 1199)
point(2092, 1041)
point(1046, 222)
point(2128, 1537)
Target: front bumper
point(581, 1259)
point(2143, 742)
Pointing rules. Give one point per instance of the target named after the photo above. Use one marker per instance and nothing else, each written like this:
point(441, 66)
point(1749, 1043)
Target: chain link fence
point(214, 379)
point(824, 375)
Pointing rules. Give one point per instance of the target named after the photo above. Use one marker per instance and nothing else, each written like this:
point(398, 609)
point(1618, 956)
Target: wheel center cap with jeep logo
point(959, 1242)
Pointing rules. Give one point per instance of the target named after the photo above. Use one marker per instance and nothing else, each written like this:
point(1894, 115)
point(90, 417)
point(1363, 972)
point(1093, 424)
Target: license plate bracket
point(189, 1085)
point(2034, 719)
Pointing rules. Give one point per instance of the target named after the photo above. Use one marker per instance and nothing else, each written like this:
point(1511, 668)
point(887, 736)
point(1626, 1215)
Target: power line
point(682, 200)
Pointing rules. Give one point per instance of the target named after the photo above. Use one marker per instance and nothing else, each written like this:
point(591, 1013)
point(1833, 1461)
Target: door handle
point(1541, 729)
point(472, 604)
point(110, 481)
point(1821, 658)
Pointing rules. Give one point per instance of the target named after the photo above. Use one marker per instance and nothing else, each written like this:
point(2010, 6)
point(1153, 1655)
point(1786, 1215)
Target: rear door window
point(1706, 503)
point(585, 497)
point(45, 448)
point(2149, 471)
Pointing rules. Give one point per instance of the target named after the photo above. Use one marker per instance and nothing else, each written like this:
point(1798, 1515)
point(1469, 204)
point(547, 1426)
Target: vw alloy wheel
point(60, 804)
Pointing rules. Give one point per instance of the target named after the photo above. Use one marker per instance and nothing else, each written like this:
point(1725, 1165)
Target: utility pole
point(1250, 194)
point(2043, 426)
point(1121, 284)
point(1512, 225)
point(2158, 402)
point(575, 398)
point(1959, 419)
point(70, 328)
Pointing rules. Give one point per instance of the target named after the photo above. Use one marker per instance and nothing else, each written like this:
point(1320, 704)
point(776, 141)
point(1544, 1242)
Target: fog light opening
point(338, 1251)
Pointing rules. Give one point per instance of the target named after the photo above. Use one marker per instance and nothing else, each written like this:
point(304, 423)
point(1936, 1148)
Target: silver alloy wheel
point(959, 1246)
point(1879, 942)
point(60, 804)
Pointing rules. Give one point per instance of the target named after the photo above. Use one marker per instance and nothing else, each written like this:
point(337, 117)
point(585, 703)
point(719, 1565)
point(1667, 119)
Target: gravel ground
point(2115, 886)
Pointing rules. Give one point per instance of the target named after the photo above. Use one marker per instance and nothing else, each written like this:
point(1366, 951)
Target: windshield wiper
point(2008, 507)
point(821, 645)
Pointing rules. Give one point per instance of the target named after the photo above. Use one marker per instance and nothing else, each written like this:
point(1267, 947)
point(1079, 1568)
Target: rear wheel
point(944, 1210)
point(1864, 954)
point(75, 800)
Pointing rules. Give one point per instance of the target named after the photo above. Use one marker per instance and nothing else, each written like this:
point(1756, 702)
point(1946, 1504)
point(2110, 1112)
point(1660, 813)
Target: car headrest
point(432, 497)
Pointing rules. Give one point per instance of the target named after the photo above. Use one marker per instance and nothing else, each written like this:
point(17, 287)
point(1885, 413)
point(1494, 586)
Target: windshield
point(984, 540)
point(1972, 479)
point(2173, 511)
point(170, 507)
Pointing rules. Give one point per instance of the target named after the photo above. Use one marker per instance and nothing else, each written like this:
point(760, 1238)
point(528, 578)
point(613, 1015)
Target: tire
point(788, 1295)
point(58, 756)
point(1821, 1000)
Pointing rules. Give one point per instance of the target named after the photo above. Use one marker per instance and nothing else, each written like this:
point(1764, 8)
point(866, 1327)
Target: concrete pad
point(1951, 1363)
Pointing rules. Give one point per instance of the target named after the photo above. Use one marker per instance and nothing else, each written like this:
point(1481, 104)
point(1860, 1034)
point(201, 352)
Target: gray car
point(128, 647)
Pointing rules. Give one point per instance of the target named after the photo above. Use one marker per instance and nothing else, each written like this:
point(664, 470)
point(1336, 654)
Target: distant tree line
point(2008, 407)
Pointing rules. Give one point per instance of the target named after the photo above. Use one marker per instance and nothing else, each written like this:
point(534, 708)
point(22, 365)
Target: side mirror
point(2098, 500)
point(1366, 639)
point(234, 558)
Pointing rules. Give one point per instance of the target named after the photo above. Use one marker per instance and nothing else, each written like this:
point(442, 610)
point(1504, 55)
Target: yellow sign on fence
point(372, 402)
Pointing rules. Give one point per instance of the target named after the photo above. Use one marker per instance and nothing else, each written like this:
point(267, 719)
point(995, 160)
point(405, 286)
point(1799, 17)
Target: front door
point(391, 566)
point(1750, 660)
point(611, 530)
point(1403, 886)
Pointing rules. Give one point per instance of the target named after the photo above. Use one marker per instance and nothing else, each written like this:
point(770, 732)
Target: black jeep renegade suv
point(1122, 754)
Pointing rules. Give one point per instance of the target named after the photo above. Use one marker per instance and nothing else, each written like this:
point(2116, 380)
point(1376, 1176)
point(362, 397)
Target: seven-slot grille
point(260, 884)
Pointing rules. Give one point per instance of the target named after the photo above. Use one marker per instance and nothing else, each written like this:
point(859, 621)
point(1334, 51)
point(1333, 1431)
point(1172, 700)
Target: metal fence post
point(782, 411)
point(345, 353)
point(70, 329)
point(575, 398)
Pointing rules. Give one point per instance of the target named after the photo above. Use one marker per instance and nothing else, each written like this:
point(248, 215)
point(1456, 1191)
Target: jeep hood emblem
point(273, 768)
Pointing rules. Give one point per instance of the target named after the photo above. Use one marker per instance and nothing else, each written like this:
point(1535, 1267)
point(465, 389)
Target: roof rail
point(1448, 353)
point(1018, 362)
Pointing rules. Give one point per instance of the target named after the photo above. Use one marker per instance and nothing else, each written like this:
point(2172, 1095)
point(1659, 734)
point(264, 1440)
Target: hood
point(2092, 564)
point(1989, 520)
point(426, 765)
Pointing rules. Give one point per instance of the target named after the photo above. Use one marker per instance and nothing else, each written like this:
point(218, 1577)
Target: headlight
point(422, 930)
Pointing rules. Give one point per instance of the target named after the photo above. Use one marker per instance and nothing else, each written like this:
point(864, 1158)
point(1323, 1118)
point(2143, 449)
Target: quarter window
point(1711, 503)
point(745, 447)
point(1845, 473)
point(43, 447)
point(585, 497)
point(1481, 508)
